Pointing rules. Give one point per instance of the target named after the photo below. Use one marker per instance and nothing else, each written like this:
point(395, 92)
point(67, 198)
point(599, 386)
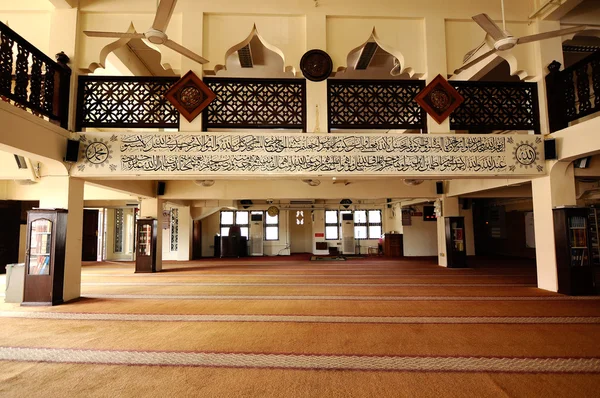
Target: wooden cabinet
point(456, 248)
point(392, 245)
point(574, 251)
point(146, 232)
point(45, 257)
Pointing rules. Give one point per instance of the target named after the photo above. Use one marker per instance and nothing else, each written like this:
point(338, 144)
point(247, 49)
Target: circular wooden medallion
point(316, 65)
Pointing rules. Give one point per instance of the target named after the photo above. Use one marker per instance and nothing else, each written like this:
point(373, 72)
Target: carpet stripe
point(300, 318)
point(308, 284)
point(305, 275)
point(292, 361)
point(354, 298)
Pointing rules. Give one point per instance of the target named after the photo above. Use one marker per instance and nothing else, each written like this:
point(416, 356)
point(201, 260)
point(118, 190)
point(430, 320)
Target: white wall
point(420, 238)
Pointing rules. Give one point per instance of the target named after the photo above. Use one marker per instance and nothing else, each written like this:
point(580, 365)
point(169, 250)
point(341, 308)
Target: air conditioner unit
point(347, 233)
point(256, 235)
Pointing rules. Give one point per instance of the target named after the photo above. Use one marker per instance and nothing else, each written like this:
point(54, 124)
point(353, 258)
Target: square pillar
point(67, 193)
point(450, 208)
point(557, 189)
point(316, 92)
point(152, 208)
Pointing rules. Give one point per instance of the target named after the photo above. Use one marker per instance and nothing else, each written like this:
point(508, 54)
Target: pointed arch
point(399, 67)
point(254, 34)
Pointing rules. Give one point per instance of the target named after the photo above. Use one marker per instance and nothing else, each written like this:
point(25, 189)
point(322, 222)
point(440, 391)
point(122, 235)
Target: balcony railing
point(31, 80)
point(256, 103)
point(375, 104)
point(125, 102)
point(490, 106)
point(574, 92)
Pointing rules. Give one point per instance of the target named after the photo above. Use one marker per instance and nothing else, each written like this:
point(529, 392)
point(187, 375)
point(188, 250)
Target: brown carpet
point(298, 358)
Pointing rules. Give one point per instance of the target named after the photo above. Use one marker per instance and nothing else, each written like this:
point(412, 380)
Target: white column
point(546, 51)
point(64, 30)
point(68, 194)
point(436, 63)
point(316, 92)
point(152, 208)
point(192, 38)
point(450, 208)
point(557, 189)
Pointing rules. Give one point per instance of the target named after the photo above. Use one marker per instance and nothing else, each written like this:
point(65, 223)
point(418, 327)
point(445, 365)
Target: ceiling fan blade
point(476, 60)
point(489, 26)
point(549, 35)
point(163, 14)
point(114, 35)
point(184, 51)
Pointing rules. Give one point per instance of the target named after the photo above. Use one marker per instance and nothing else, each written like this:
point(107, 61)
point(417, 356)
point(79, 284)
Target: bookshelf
point(455, 242)
point(146, 232)
point(574, 250)
point(45, 257)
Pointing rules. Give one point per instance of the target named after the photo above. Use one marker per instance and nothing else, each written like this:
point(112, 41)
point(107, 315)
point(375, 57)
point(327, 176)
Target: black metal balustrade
point(375, 104)
point(256, 103)
point(125, 102)
point(31, 80)
point(574, 92)
point(490, 106)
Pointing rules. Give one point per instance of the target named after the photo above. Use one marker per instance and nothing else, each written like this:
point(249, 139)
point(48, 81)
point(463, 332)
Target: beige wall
point(420, 238)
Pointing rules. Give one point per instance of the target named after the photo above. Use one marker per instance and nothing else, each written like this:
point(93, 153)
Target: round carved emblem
point(97, 153)
point(191, 97)
point(525, 154)
point(440, 99)
point(316, 65)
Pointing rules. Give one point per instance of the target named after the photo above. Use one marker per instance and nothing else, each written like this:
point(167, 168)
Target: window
point(174, 230)
point(271, 227)
point(119, 226)
point(367, 224)
point(300, 217)
point(231, 218)
point(332, 225)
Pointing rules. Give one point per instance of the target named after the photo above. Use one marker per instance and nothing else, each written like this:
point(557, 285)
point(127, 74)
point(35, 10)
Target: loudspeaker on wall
point(439, 187)
point(549, 149)
point(160, 188)
point(72, 151)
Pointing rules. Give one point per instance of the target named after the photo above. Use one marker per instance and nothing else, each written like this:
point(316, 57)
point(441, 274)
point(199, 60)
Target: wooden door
point(89, 247)
point(197, 240)
point(300, 231)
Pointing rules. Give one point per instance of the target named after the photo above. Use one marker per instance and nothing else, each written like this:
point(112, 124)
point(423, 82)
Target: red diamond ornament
point(439, 99)
point(190, 96)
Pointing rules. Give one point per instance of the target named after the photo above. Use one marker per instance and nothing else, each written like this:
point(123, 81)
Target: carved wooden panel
point(375, 104)
point(496, 106)
point(256, 103)
point(131, 102)
point(30, 80)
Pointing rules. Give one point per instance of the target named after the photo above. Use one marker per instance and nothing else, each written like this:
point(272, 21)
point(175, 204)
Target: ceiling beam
point(64, 4)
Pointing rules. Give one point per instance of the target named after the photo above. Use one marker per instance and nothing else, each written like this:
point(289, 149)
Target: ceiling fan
point(156, 34)
point(504, 41)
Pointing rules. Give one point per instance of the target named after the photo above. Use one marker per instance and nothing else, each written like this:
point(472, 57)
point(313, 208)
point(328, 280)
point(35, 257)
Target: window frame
point(336, 224)
point(221, 225)
point(266, 225)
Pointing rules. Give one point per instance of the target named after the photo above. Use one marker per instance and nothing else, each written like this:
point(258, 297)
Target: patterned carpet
point(369, 327)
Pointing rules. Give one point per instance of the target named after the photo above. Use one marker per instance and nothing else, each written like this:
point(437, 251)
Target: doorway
point(197, 240)
point(89, 245)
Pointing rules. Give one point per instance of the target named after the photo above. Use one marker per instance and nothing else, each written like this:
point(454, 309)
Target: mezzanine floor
point(290, 327)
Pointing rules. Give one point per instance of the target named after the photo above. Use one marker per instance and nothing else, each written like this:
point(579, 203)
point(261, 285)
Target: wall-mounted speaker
point(160, 188)
point(72, 151)
point(582, 163)
point(550, 149)
point(439, 187)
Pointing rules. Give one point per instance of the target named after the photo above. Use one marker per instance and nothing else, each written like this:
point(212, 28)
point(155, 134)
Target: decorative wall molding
point(284, 154)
